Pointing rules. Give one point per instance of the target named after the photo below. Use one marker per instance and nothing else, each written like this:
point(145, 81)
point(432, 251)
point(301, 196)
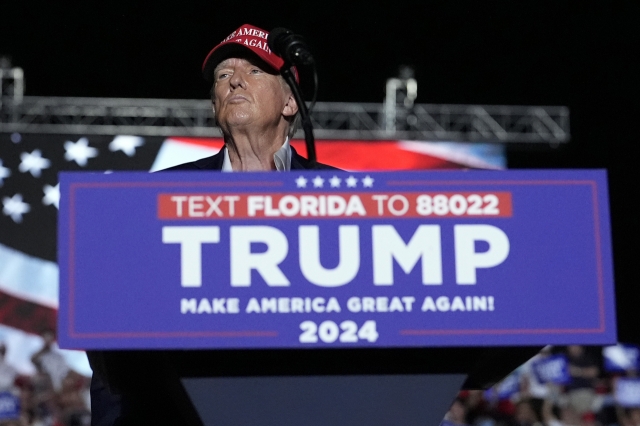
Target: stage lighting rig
point(400, 95)
point(11, 81)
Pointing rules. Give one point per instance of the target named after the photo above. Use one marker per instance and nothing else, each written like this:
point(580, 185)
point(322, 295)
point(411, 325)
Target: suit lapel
point(212, 163)
point(298, 162)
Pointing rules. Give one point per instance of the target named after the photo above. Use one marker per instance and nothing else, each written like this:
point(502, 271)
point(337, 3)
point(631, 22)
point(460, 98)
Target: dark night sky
point(581, 54)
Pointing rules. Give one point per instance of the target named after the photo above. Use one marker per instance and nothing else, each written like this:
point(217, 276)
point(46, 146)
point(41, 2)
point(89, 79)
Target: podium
point(327, 298)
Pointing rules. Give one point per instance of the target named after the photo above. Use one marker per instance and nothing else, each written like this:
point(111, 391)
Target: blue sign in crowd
point(561, 386)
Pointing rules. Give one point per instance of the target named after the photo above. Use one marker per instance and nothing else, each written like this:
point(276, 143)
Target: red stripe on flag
point(213, 143)
point(373, 155)
point(26, 316)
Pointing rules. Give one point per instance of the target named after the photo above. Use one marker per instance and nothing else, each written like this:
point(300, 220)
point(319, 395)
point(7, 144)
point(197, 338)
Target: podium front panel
point(316, 260)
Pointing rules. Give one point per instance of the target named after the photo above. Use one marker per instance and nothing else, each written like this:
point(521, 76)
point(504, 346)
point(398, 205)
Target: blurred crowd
point(565, 386)
point(54, 395)
point(562, 386)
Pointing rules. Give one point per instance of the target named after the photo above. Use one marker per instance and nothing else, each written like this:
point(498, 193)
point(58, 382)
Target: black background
point(581, 54)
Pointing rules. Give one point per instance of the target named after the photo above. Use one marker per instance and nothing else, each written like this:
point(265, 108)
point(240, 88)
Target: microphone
point(289, 46)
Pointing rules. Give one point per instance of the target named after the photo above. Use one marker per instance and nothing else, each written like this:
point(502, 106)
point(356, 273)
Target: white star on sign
point(15, 207)
point(126, 144)
point(351, 182)
point(33, 163)
point(335, 182)
point(80, 151)
point(4, 173)
point(318, 182)
point(367, 181)
point(51, 195)
point(301, 182)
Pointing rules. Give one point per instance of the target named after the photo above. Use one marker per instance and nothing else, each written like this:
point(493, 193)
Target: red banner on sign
point(344, 205)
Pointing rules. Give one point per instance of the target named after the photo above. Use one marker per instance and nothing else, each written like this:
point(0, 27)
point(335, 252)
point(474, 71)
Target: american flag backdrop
point(29, 195)
point(29, 166)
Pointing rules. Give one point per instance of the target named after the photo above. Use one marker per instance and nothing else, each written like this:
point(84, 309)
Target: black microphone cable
point(293, 49)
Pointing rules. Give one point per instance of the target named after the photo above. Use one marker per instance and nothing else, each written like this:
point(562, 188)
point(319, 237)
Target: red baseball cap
point(247, 37)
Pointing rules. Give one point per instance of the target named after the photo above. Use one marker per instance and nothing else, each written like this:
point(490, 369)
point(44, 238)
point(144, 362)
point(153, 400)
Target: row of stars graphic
point(80, 152)
point(335, 182)
point(15, 207)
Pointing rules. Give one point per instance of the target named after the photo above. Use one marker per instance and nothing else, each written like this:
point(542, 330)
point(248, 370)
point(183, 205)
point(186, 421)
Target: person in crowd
point(51, 361)
point(525, 414)
point(41, 395)
point(8, 391)
point(256, 111)
point(583, 371)
point(476, 407)
point(531, 387)
point(70, 401)
point(8, 374)
point(628, 416)
point(457, 414)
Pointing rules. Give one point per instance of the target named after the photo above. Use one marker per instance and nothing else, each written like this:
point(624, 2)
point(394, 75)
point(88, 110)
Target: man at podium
point(257, 113)
point(253, 105)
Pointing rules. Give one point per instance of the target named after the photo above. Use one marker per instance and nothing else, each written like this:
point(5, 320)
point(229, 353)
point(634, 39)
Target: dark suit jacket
point(147, 406)
point(214, 162)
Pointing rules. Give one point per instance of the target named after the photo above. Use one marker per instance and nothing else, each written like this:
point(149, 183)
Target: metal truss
point(332, 120)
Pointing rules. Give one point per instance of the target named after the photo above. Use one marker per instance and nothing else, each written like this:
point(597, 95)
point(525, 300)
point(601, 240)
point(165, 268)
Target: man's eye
point(256, 71)
point(222, 75)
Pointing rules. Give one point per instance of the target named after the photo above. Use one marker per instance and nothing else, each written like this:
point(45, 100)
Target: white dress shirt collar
point(282, 158)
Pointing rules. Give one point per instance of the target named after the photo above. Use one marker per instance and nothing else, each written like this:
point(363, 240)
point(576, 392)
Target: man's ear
point(291, 107)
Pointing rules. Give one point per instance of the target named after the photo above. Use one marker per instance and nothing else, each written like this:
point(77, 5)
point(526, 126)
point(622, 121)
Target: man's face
point(247, 93)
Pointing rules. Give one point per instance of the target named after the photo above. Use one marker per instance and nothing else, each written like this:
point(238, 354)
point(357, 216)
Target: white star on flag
point(318, 182)
point(80, 151)
point(4, 173)
point(367, 181)
point(51, 195)
point(15, 207)
point(335, 182)
point(301, 182)
point(33, 163)
point(351, 182)
point(126, 144)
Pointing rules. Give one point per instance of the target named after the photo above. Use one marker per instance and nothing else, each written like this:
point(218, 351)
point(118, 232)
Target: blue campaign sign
point(505, 389)
point(621, 358)
point(334, 259)
point(552, 369)
point(9, 406)
point(627, 392)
